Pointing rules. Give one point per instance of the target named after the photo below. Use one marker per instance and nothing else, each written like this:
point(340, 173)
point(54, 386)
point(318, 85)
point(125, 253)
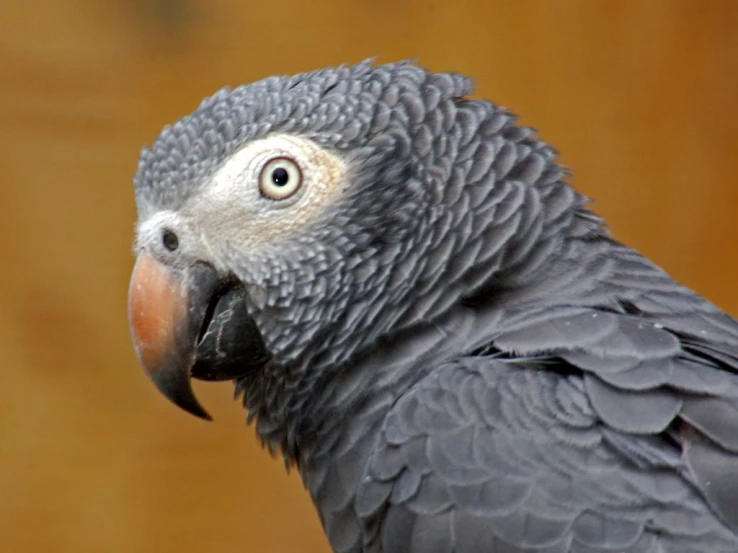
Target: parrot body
point(430, 324)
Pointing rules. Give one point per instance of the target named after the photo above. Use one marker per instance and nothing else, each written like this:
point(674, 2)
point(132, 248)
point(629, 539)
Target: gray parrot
point(430, 324)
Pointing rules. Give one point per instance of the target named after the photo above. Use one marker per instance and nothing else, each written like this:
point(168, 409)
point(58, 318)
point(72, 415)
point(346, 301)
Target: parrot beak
point(166, 308)
point(189, 323)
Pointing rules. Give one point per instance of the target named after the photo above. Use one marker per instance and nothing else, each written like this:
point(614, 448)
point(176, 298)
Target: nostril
point(170, 240)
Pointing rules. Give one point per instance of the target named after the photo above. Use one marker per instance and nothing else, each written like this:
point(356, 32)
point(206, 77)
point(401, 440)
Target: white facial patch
point(232, 207)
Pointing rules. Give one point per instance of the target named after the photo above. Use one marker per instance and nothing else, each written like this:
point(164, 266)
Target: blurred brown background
point(640, 96)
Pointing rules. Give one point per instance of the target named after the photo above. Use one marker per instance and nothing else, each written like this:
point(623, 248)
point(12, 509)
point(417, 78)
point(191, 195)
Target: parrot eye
point(280, 178)
point(170, 240)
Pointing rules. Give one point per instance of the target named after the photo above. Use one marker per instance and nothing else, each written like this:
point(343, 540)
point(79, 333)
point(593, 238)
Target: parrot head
point(287, 225)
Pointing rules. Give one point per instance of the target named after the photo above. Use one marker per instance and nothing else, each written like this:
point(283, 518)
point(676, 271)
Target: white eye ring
point(280, 178)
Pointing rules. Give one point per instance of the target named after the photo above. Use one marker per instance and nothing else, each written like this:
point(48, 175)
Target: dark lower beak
point(189, 323)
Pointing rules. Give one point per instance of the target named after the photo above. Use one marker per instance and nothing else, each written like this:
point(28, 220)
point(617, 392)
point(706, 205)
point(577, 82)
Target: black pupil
point(171, 242)
point(280, 176)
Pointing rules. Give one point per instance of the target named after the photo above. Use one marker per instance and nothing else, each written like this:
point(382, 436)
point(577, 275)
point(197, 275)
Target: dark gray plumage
point(450, 347)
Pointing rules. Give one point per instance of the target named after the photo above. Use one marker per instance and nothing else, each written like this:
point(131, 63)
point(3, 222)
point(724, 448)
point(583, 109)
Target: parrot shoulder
point(493, 454)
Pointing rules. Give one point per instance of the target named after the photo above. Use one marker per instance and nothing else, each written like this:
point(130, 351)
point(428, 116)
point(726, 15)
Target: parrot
point(425, 320)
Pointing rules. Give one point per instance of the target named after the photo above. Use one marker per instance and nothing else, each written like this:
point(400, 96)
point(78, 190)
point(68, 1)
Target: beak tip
point(203, 415)
point(198, 411)
point(179, 391)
